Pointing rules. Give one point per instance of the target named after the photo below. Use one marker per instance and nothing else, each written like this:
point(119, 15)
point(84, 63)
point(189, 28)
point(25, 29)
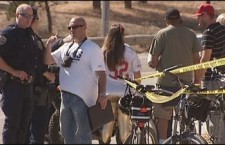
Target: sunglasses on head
point(119, 26)
point(75, 27)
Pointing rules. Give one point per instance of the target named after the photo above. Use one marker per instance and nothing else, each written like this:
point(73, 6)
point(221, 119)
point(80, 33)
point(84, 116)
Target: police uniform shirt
point(17, 48)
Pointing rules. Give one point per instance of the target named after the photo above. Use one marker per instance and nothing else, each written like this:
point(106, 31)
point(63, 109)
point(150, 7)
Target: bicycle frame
point(217, 113)
point(181, 120)
point(187, 128)
point(143, 129)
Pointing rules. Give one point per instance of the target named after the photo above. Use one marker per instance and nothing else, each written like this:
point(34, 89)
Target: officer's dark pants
point(40, 116)
point(16, 104)
point(39, 124)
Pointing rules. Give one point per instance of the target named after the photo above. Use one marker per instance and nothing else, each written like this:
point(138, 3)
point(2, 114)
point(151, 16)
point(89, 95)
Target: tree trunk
point(48, 17)
point(96, 5)
point(128, 4)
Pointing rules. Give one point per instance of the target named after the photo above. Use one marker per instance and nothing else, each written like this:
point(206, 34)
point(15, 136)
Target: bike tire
point(209, 126)
point(141, 139)
point(54, 130)
point(186, 138)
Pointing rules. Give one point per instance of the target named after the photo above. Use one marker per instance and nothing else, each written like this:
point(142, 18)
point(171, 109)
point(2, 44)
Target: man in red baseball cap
point(213, 44)
point(205, 8)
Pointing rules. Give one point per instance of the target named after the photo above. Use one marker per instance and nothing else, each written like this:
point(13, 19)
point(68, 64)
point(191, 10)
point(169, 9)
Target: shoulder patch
point(2, 40)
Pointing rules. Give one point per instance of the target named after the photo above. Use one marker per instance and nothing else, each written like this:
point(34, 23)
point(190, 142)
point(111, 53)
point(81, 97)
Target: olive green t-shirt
point(176, 46)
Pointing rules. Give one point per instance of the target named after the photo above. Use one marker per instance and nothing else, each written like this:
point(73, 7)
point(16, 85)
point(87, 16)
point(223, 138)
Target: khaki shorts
point(162, 112)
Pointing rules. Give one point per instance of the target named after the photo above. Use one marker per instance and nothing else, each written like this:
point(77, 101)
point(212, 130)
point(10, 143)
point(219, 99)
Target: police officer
point(18, 59)
point(42, 96)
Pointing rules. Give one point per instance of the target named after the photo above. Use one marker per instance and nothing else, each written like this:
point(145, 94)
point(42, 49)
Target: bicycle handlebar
point(181, 82)
point(123, 78)
point(146, 88)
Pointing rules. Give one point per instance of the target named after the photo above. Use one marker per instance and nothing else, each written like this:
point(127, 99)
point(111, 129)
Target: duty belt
point(28, 81)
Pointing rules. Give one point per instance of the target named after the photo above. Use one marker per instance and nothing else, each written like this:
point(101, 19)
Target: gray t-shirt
point(175, 45)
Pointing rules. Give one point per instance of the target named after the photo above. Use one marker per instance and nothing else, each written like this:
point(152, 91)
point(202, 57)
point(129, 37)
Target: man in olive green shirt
point(172, 45)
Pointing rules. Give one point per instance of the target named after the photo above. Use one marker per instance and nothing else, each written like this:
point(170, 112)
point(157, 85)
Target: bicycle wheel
point(54, 131)
point(209, 126)
point(186, 138)
point(146, 136)
point(215, 127)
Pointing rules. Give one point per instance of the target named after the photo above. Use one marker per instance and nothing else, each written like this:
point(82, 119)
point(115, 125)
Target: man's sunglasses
point(75, 27)
point(27, 15)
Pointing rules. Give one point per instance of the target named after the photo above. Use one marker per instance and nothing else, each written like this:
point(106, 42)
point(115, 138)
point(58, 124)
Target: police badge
point(2, 40)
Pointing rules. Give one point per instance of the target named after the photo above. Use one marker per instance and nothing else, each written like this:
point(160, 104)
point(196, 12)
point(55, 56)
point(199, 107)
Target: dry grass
point(141, 19)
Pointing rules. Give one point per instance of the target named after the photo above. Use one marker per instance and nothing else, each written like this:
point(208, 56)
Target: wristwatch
point(102, 94)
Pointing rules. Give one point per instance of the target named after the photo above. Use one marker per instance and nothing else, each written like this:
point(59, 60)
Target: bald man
point(82, 81)
point(221, 19)
point(18, 60)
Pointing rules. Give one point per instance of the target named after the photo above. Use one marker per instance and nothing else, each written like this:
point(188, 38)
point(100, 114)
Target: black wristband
point(45, 68)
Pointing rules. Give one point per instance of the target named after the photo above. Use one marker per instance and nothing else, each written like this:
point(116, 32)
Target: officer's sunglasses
point(75, 27)
point(27, 15)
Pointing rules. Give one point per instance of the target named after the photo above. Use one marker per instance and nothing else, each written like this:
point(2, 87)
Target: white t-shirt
point(131, 64)
point(80, 78)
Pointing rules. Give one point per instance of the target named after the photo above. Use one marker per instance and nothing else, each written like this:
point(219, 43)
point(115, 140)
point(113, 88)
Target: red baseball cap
point(205, 8)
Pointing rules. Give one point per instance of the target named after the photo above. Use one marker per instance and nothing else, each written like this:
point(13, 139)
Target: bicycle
point(139, 108)
point(53, 135)
point(189, 109)
point(217, 113)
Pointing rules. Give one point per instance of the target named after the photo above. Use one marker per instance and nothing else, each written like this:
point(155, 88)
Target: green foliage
point(10, 13)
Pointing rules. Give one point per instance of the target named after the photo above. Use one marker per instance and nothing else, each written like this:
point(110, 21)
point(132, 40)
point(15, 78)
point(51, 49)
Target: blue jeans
point(74, 122)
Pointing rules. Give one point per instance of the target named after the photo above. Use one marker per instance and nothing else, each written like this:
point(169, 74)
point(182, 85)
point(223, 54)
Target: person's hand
point(58, 88)
point(49, 76)
point(102, 101)
point(51, 40)
point(20, 74)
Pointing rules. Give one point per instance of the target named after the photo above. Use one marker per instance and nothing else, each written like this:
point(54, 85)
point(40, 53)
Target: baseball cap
point(172, 13)
point(205, 8)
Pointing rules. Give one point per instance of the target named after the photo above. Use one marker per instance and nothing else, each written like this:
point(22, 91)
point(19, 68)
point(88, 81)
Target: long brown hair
point(113, 46)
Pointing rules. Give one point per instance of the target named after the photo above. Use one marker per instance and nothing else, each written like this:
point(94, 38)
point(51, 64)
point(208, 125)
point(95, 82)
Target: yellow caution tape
point(209, 64)
point(155, 98)
point(209, 92)
point(133, 85)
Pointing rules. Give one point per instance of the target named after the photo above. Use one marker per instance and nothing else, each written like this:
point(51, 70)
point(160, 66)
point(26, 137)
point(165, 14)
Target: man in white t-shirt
point(82, 70)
